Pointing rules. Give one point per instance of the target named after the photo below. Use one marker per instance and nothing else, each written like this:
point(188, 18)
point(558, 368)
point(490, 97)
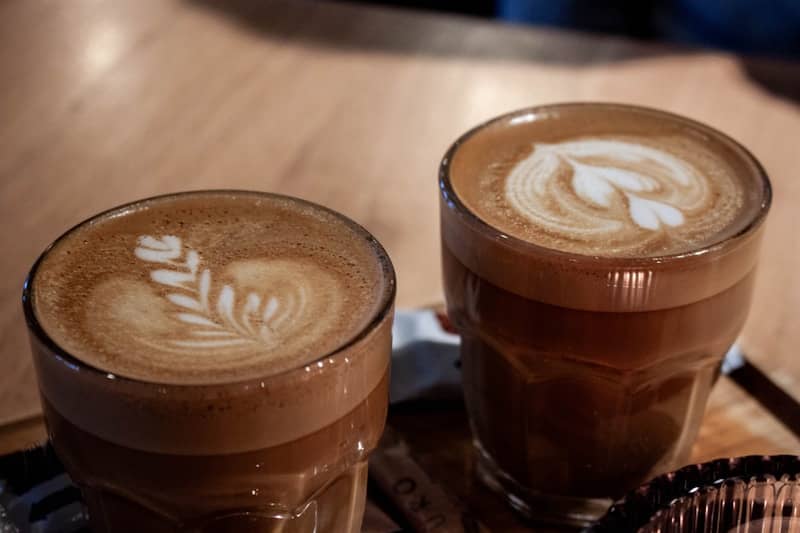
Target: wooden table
point(352, 107)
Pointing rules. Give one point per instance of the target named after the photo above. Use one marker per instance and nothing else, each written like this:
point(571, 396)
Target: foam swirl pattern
point(610, 190)
point(266, 305)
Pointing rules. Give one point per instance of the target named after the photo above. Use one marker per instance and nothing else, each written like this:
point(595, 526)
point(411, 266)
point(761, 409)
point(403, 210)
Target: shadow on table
point(405, 31)
point(779, 78)
point(402, 31)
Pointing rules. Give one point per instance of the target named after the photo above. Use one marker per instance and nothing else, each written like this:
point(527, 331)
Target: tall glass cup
point(586, 373)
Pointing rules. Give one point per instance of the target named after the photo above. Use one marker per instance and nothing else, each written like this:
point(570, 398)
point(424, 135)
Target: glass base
point(335, 508)
point(536, 506)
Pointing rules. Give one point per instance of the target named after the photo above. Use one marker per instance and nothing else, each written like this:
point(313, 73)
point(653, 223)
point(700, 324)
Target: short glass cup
point(147, 456)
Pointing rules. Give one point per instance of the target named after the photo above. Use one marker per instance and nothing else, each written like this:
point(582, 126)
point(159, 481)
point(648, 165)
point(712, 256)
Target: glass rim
point(530, 114)
point(383, 309)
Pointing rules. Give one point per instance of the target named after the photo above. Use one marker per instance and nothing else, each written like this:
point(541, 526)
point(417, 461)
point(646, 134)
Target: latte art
point(209, 287)
point(232, 318)
point(606, 189)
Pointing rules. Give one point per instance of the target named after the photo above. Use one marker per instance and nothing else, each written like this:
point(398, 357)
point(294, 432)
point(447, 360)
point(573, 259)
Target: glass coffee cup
point(215, 361)
point(598, 263)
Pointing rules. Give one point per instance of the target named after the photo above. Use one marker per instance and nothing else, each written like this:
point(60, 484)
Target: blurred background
point(760, 27)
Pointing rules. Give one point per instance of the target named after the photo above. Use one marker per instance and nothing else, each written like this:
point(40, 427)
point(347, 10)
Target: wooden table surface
point(352, 107)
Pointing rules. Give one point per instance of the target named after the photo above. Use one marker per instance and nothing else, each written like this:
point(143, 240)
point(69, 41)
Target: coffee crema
point(208, 288)
point(605, 181)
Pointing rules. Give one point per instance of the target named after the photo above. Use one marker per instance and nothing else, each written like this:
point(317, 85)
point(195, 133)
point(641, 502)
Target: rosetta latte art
point(225, 317)
point(609, 190)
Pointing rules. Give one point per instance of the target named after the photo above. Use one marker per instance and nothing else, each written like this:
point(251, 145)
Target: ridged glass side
point(753, 494)
point(758, 505)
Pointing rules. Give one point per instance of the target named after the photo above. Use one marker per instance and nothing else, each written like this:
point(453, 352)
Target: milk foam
point(221, 321)
point(597, 189)
point(606, 195)
point(207, 289)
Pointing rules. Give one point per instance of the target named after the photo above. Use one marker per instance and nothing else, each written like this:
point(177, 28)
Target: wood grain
point(105, 102)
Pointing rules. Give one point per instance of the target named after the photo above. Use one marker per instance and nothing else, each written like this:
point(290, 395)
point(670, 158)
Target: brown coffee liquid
point(587, 403)
point(236, 493)
point(587, 360)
